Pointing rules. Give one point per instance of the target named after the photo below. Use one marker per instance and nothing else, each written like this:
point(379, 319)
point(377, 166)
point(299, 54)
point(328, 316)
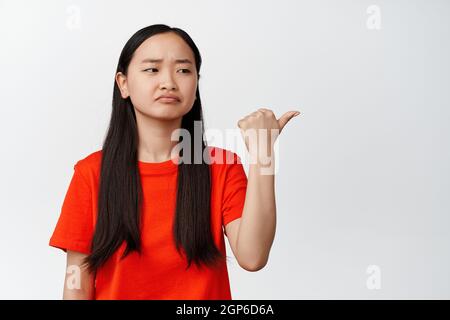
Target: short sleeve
point(74, 229)
point(235, 188)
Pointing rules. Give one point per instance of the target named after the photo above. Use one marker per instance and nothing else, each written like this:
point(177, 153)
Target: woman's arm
point(79, 284)
point(254, 234)
point(256, 231)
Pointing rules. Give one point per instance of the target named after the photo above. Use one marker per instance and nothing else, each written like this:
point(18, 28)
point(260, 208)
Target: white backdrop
point(363, 180)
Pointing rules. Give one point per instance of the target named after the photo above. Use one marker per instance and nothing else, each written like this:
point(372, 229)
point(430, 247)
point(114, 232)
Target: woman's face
point(147, 79)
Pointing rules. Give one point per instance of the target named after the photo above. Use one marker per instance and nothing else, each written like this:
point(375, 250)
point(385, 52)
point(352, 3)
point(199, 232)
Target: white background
point(363, 173)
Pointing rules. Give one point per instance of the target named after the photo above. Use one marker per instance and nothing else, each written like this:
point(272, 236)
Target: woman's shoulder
point(222, 156)
point(226, 168)
point(90, 162)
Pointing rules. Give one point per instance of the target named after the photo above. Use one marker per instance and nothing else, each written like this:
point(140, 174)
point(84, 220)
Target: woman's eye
point(185, 70)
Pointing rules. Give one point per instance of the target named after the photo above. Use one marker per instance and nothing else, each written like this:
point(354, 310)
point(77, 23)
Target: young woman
point(140, 221)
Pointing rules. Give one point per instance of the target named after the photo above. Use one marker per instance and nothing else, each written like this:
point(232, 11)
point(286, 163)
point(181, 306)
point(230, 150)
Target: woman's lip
point(168, 100)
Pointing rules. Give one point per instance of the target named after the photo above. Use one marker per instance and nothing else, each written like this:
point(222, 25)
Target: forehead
point(167, 46)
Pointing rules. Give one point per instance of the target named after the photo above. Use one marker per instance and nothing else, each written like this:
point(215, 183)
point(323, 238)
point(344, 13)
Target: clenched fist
point(260, 129)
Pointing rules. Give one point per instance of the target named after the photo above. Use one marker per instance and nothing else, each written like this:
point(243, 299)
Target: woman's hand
point(260, 129)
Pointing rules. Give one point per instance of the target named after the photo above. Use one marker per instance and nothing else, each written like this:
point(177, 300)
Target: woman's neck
point(155, 144)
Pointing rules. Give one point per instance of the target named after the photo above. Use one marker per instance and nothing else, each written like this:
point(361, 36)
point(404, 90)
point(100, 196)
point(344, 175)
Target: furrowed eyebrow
point(150, 60)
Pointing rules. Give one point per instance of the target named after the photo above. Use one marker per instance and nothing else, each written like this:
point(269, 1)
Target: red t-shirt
point(159, 273)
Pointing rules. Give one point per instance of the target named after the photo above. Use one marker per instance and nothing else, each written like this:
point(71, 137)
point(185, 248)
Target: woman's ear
point(121, 81)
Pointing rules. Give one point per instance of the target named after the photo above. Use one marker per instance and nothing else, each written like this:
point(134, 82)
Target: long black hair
point(120, 189)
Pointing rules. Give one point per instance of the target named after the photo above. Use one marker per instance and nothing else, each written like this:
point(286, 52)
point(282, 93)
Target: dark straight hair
point(120, 189)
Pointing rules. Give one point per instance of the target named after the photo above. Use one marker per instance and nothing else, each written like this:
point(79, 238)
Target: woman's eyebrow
point(151, 60)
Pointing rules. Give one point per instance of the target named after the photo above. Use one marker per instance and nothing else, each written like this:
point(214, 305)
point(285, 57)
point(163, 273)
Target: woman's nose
point(167, 81)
